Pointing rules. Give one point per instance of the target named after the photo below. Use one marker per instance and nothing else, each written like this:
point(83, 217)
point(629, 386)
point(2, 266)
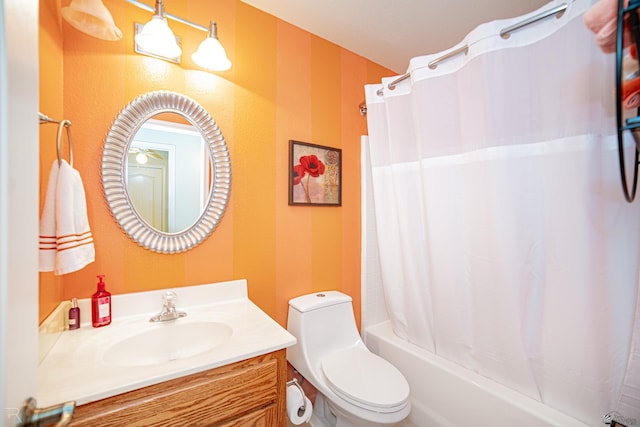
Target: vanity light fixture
point(143, 154)
point(210, 53)
point(93, 18)
point(156, 39)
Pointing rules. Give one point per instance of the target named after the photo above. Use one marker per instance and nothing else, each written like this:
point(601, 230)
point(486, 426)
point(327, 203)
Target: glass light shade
point(157, 38)
point(93, 18)
point(141, 158)
point(211, 55)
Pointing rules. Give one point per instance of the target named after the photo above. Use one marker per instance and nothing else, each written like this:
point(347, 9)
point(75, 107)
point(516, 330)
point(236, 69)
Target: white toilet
point(360, 388)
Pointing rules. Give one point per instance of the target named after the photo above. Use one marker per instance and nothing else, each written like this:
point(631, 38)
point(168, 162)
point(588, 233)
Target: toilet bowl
point(359, 387)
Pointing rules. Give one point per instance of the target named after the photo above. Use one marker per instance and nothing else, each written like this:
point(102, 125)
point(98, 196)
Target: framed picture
point(315, 175)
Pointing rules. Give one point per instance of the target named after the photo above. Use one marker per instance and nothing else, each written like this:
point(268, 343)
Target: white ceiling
point(391, 32)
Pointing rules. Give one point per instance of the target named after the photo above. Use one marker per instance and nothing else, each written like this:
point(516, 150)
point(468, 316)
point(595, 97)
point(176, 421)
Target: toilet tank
point(322, 323)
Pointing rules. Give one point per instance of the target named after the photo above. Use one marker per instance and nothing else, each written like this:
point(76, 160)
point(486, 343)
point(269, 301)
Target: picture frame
point(315, 174)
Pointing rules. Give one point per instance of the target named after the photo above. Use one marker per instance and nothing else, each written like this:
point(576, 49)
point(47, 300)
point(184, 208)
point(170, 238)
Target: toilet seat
point(366, 380)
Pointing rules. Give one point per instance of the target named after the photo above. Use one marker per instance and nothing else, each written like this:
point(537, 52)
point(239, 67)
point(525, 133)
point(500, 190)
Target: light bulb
point(156, 38)
point(210, 53)
point(141, 158)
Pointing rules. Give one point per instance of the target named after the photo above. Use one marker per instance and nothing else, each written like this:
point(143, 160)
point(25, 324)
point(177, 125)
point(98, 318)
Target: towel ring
point(64, 124)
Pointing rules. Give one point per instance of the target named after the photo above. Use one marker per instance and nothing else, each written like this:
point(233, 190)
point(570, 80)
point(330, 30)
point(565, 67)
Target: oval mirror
point(166, 172)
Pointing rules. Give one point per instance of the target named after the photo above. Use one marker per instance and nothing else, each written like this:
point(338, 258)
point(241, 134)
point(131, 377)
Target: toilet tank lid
point(318, 300)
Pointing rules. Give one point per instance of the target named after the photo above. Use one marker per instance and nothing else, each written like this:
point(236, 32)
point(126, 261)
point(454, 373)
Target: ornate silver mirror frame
point(114, 171)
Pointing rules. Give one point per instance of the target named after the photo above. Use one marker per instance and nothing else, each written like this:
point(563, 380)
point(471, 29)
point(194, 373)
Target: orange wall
point(284, 84)
point(51, 82)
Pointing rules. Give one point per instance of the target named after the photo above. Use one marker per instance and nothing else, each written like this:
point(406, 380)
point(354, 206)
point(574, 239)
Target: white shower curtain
point(506, 244)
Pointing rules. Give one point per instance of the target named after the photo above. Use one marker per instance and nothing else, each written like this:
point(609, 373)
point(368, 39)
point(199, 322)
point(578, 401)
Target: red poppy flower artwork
point(314, 174)
point(298, 174)
point(312, 165)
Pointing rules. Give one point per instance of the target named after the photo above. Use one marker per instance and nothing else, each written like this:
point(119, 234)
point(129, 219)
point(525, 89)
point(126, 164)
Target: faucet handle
point(169, 311)
point(169, 298)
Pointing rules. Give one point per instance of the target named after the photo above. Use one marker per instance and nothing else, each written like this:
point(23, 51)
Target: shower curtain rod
point(557, 11)
point(505, 33)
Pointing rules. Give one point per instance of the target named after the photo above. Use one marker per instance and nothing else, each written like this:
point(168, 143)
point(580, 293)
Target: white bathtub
point(444, 394)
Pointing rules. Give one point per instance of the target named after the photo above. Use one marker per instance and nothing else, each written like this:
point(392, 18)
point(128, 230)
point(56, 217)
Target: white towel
point(47, 252)
point(74, 240)
point(73, 248)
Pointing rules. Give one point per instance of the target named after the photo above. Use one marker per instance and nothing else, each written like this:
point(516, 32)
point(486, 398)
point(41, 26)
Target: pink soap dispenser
point(101, 305)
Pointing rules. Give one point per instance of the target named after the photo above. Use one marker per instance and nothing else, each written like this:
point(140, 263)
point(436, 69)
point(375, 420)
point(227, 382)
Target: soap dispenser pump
point(101, 305)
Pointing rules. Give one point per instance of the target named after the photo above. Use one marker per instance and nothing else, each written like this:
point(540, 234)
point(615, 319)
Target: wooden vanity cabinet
point(247, 393)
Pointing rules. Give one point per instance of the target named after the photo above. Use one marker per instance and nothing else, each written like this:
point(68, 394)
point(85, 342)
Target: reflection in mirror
point(167, 174)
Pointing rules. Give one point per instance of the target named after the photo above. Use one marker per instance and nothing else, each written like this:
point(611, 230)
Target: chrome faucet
point(169, 311)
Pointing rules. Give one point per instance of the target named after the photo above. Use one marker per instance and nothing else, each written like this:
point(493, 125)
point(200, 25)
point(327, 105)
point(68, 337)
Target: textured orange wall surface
point(284, 84)
point(51, 82)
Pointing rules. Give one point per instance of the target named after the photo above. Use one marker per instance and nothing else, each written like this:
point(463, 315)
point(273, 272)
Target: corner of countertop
point(50, 330)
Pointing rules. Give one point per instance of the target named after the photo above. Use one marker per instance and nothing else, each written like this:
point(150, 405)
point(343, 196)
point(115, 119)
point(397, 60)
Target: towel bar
point(44, 119)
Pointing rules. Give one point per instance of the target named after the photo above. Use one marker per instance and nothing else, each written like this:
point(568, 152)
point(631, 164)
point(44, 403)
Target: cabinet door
point(265, 417)
point(249, 390)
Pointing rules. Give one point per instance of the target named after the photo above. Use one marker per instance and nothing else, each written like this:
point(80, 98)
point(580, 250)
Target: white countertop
point(75, 368)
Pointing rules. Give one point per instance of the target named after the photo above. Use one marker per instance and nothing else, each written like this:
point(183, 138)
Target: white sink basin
point(223, 326)
point(167, 341)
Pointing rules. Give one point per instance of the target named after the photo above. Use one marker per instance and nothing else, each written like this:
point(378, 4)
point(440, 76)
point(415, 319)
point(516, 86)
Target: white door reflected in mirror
point(168, 177)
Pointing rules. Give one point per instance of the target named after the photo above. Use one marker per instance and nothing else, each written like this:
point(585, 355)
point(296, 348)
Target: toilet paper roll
point(296, 400)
